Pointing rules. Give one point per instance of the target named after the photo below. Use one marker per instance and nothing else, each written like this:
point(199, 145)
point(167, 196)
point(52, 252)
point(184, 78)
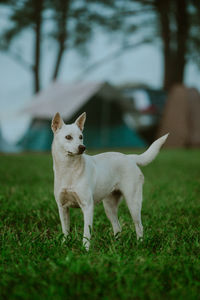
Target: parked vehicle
point(142, 109)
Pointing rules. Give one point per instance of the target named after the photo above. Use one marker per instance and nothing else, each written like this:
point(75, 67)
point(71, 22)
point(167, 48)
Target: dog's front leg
point(65, 219)
point(88, 211)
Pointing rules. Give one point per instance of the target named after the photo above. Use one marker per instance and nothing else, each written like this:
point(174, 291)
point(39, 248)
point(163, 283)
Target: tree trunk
point(58, 59)
point(62, 35)
point(163, 9)
point(37, 50)
point(182, 36)
point(166, 37)
point(174, 44)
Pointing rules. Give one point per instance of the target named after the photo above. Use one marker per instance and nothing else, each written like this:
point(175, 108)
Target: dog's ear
point(57, 122)
point(80, 121)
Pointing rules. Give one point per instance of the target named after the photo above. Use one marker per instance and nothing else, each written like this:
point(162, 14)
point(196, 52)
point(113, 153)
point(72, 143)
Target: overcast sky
point(143, 64)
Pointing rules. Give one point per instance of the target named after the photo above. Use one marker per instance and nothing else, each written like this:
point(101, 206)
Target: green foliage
point(69, 24)
point(36, 264)
point(69, 20)
point(21, 17)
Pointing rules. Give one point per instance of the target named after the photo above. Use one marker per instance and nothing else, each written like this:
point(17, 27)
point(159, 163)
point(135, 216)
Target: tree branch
point(38, 8)
point(62, 36)
point(107, 58)
point(134, 12)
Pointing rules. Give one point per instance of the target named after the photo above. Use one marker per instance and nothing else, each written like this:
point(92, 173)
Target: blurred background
point(133, 66)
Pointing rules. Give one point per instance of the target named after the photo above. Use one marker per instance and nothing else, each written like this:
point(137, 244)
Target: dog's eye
point(80, 137)
point(69, 137)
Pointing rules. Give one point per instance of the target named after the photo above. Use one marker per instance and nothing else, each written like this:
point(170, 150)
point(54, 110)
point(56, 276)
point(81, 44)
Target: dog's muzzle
point(81, 149)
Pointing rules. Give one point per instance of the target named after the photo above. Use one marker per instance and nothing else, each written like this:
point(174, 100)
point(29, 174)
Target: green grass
point(36, 265)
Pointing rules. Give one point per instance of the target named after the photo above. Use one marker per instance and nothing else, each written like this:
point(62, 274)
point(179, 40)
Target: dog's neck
point(67, 168)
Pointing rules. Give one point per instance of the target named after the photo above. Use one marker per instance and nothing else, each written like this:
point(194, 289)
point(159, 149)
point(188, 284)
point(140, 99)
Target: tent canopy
point(104, 115)
point(67, 98)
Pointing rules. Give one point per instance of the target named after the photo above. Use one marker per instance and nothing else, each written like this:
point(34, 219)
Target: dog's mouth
point(73, 154)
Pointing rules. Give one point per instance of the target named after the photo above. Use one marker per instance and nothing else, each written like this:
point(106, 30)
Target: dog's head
point(69, 137)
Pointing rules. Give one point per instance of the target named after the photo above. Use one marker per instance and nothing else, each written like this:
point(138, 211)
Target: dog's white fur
point(83, 180)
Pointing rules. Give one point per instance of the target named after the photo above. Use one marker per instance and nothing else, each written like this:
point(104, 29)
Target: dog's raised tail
point(149, 155)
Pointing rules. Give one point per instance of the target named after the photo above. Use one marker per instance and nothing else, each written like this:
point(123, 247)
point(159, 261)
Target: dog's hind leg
point(133, 199)
point(111, 204)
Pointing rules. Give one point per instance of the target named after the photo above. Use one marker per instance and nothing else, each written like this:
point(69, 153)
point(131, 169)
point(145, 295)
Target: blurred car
point(142, 109)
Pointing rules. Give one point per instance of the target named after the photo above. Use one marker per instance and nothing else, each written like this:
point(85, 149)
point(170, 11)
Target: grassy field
point(36, 265)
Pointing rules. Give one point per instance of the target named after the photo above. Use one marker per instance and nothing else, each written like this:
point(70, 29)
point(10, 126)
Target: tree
point(176, 23)
point(60, 9)
point(174, 31)
point(71, 29)
point(178, 27)
point(25, 14)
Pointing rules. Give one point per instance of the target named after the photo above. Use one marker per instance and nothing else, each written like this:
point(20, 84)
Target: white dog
point(81, 180)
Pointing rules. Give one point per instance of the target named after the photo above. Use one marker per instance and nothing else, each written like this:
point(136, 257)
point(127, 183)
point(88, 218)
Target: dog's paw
point(86, 244)
point(64, 239)
point(140, 239)
point(117, 235)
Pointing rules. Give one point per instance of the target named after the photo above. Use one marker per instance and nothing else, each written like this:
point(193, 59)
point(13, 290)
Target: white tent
point(67, 98)
point(100, 100)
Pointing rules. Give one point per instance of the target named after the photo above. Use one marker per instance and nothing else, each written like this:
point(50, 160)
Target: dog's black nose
point(81, 149)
